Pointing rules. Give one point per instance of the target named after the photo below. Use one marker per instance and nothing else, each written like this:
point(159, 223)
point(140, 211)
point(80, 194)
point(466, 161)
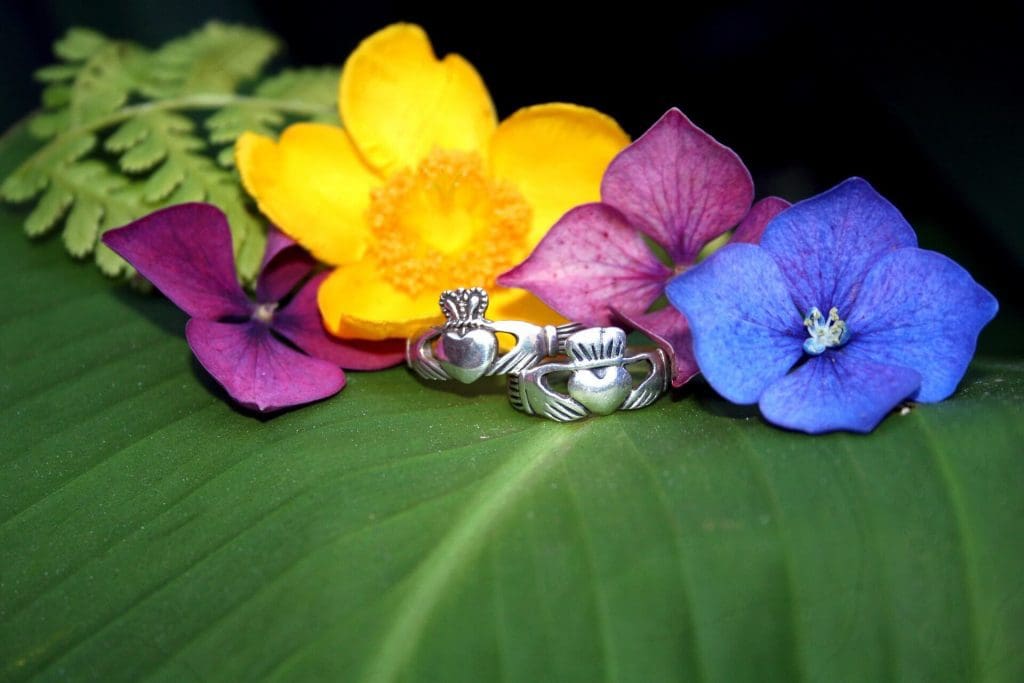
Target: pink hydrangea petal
point(277, 242)
point(670, 330)
point(300, 323)
point(257, 370)
point(185, 251)
point(760, 214)
point(679, 185)
point(591, 259)
point(285, 263)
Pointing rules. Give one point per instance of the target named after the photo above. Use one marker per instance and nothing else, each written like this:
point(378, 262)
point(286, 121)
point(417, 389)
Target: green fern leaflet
point(125, 130)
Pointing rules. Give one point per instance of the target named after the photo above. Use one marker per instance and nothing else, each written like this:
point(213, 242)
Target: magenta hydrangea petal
point(679, 185)
point(747, 333)
point(669, 330)
point(921, 310)
point(300, 323)
point(591, 259)
point(826, 245)
point(752, 226)
point(185, 251)
point(277, 242)
point(836, 391)
point(285, 263)
point(257, 370)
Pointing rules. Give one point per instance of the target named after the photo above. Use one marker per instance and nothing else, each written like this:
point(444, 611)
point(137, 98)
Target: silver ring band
point(465, 348)
point(599, 381)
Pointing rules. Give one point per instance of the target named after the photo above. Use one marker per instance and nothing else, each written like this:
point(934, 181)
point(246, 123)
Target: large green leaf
point(408, 531)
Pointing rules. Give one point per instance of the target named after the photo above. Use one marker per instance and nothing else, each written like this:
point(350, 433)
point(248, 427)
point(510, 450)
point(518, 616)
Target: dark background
point(928, 106)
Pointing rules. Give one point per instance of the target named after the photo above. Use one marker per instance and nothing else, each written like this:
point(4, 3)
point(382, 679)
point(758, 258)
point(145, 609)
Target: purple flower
point(835, 317)
point(678, 187)
point(185, 251)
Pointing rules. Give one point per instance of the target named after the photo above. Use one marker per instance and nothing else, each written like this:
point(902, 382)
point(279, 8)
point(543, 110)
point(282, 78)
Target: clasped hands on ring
point(593, 360)
point(465, 348)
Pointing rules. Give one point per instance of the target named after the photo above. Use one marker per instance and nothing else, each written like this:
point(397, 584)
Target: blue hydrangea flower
point(835, 317)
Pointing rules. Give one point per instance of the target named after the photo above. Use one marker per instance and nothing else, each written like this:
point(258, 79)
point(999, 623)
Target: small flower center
point(447, 223)
point(264, 313)
point(824, 333)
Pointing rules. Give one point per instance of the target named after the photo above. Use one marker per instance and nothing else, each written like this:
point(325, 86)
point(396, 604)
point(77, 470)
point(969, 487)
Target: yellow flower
point(423, 190)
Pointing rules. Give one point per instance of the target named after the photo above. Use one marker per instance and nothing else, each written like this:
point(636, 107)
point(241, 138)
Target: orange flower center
point(447, 224)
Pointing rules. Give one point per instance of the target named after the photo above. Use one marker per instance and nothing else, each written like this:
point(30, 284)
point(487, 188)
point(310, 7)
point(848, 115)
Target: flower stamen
point(447, 223)
point(264, 313)
point(824, 333)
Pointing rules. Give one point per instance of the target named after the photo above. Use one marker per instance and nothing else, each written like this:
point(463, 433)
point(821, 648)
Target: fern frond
point(78, 44)
point(34, 174)
point(314, 84)
point(270, 108)
point(103, 83)
point(111, 98)
point(225, 126)
point(215, 59)
point(96, 78)
point(103, 200)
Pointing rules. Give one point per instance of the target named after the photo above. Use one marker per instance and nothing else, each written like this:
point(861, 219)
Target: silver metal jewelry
point(465, 348)
point(599, 380)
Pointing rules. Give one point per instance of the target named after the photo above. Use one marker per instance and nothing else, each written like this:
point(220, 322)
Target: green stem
point(200, 101)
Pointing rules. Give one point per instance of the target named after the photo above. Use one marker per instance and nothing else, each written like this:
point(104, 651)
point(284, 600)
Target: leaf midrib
point(461, 544)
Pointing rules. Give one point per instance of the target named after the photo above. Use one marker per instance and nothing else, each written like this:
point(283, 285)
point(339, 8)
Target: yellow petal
point(555, 154)
point(507, 303)
point(313, 185)
point(357, 303)
point(399, 102)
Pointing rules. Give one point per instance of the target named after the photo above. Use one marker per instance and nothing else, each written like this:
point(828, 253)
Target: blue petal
point(826, 245)
point(837, 390)
point(747, 333)
point(921, 310)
